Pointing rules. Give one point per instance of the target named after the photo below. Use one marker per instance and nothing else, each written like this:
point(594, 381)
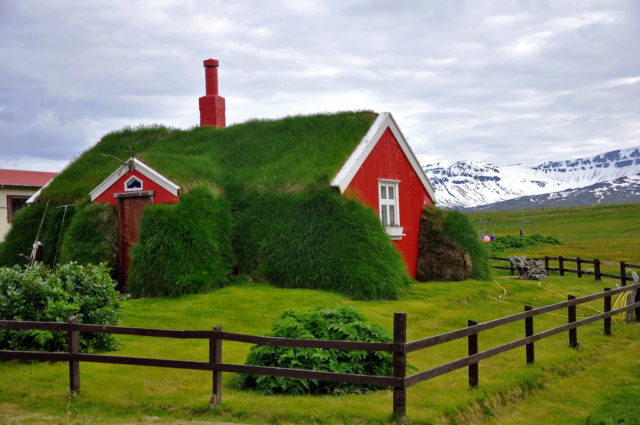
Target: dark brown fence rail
point(597, 273)
point(399, 382)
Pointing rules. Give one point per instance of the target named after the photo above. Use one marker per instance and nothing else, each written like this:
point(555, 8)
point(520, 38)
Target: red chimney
point(212, 105)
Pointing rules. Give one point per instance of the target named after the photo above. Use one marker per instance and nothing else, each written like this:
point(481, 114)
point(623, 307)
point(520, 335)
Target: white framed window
point(388, 202)
point(132, 183)
point(389, 207)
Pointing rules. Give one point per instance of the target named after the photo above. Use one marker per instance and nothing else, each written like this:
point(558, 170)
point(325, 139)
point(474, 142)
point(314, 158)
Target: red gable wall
point(160, 194)
point(387, 161)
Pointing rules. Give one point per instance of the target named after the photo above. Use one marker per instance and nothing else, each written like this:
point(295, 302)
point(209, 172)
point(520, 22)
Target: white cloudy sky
point(502, 81)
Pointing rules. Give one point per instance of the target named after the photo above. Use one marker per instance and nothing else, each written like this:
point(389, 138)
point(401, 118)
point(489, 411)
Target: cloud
point(502, 81)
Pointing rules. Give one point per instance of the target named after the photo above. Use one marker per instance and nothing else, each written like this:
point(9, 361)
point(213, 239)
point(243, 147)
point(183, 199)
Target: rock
point(528, 269)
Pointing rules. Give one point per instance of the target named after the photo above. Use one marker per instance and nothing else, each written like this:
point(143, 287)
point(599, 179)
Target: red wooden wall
point(388, 161)
point(160, 194)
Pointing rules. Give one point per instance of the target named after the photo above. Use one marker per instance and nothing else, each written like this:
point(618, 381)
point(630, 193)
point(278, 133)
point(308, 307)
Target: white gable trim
point(143, 169)
point(348, 171)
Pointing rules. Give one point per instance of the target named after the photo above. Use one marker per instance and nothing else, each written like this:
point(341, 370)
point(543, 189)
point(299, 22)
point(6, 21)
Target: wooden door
point(130, 209)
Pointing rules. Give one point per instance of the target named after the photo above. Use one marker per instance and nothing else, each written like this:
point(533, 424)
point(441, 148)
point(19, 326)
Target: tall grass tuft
point(92, 236)
point(184, 248)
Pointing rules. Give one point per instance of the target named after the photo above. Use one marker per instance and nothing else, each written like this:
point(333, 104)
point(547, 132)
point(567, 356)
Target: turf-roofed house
point(326, 201)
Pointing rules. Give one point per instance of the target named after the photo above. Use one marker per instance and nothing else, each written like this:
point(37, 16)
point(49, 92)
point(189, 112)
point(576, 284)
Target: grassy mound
point(183, 248)
point(92, 236)
point(439, 257)
point(459, 228)
point(318, 239)
point(342, 324)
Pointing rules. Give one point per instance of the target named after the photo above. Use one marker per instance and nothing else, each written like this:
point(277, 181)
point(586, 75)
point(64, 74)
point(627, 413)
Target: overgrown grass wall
point(318, 239)
point(24, 229)
point(92, 236)
point(459, 228)
point(184, 248)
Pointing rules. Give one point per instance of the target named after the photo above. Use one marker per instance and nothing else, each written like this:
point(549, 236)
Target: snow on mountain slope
point(465, 184)
point(620, 191)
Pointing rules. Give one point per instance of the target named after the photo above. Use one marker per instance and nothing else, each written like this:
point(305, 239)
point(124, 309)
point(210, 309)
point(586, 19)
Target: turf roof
point(285, 154)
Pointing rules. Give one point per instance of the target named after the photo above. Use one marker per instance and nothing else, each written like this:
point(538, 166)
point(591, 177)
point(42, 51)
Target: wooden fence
point(579, 270)
point(399, 382)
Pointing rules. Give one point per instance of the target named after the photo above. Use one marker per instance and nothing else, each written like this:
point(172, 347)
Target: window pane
point(383, 192)
point(391, 192)
point(392, 215)
point(383, 210)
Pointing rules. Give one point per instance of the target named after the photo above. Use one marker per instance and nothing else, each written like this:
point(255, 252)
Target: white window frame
point(392, 223)
point(135, 189)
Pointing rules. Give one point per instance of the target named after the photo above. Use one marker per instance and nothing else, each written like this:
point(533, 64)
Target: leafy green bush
point(502, 243)
point(92, 237)
point(183, 248)
point(459, 228)
point(41, 294)
point(318, 239)
point(343, 324)
point(24, 229)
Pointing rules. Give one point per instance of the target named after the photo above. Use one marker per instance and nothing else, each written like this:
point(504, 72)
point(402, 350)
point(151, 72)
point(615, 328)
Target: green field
point(600, 384)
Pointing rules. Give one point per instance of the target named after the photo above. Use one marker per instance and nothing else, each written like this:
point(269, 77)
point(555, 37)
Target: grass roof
point(286, 154)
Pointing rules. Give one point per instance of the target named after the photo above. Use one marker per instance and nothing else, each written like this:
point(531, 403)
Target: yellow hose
point(620, 302)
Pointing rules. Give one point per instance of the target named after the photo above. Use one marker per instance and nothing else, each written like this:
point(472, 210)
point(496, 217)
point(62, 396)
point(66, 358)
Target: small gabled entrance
point(130, 189)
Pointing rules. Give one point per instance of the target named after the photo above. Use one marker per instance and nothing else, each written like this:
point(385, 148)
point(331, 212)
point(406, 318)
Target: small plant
point(42, 294)
point(502, 243)
point(343, 324)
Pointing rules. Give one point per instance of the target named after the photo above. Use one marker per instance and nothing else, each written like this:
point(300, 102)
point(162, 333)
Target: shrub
point(24, 229)
point(343, 324)
point(502, 243)
point(42, 294)
point(183, 248)
point(439, 258)
point(459, 228)
point(92, 237)
point(318, 239)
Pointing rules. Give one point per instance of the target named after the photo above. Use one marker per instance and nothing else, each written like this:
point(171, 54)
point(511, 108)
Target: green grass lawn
point(597, 385)
point(113, 393)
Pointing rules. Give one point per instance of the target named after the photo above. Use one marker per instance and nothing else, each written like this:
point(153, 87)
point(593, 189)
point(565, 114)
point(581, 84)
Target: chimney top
point(211, 63)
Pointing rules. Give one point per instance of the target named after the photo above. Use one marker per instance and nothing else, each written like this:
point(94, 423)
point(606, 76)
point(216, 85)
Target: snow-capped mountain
point(470, 184)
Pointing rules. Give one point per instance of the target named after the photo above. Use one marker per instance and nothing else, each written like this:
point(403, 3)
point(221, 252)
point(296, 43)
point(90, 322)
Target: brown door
point(130, 210)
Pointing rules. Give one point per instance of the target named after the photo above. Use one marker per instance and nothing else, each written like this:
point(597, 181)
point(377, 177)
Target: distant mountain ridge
point(611, 177)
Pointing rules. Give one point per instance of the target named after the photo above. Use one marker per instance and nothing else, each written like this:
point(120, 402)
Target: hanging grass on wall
point(24, 229)
point(92, 236)
point(318, 239)
point(184, 248)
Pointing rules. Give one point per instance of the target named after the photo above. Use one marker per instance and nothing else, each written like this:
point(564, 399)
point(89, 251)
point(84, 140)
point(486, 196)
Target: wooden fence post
point(400, 364)
point(74, 365)
point(573, 333)
point(528, 331)
point(596, 267)
point(511, 269)
point(215, 358)
point(607, 307)
point(561, 265)
point(546, 263)
point(579, 266)
point(623, 273)
point(473, 349)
